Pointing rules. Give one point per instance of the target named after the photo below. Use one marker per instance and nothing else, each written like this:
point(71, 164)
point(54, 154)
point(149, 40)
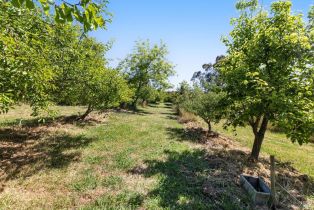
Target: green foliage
point(147, 70)
point(91, 14)
point(268, 73)
point(44, 62)
point(209, 79)
point(204, 98)
point(170, 97)
point(24, 65)
point(84, 79)
point(203, 104)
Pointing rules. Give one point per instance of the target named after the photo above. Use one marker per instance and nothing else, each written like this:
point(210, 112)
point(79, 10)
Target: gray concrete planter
point(257, 189)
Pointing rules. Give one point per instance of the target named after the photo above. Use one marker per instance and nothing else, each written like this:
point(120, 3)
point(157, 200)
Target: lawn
point(126, 160)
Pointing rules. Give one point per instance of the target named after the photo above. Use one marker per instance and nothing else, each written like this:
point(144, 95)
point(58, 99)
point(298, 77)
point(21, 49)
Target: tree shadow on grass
point(187, 180)
point(153, 105)
point(24, 153)
point(138, 111)
point(168, 105)
point(51, 121)
point(196, 135)
point(231, 160)
point(172, 117)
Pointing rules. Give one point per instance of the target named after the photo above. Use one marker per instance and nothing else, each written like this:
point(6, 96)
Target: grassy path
point(146, 163)
point(131, 161)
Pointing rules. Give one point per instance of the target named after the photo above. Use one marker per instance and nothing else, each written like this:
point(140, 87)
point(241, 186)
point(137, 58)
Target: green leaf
point(46, 8)
point(84, 2)
point(30, 4)
point(21, 2)
point(77, 14)
point(16, 3)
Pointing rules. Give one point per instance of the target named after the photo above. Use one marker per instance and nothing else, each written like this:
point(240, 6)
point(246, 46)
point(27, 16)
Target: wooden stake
point(273, 181)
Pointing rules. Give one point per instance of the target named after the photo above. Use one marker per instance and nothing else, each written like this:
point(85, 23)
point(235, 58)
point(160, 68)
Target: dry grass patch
point(231, 159)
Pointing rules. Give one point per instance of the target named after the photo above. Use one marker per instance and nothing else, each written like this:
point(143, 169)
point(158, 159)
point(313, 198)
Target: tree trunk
point(209, 127)
point(137, 92)
point(258, 140)
point(134, 103)
point(88, 111)
point(123, 105)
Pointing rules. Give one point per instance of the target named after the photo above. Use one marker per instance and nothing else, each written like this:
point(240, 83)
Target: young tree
point(203, 104)
point(267, 72)
point(147, 69)
point(205, 97)
point(184, 88)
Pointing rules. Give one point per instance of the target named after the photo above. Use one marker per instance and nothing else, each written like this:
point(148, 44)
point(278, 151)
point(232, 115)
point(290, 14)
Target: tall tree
point(208, 79)
point(267, 72)
point(146, 69)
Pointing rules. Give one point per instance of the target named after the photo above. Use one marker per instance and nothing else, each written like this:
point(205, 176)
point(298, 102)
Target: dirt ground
point(232, 160)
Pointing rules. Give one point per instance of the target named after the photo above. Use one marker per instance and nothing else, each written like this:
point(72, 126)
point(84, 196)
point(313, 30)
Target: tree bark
point(259, 137)
point(134, 103)
point(138, 89)
point(88, 111)
point(209, 126)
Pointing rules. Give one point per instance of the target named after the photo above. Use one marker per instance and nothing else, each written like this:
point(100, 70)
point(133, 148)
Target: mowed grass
point(128, 161)
point(300, 157)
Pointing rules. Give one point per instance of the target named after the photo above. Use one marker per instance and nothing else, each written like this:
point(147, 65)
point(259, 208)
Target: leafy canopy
point(45, 63)
point(25, 45)
point(268, 70)
point(203, 104)
point(147, 69)
point(92, 83)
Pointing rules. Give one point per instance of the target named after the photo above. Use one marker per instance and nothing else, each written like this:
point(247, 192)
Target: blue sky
point(191, 29)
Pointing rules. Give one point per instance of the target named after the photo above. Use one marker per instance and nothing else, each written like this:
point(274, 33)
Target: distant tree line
point(45, 62)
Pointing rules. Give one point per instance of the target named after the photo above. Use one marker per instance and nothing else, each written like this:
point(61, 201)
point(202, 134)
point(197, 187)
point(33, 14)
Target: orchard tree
point(268, 72)
point(104, 89)
point(85, 79)
point(205, 97)
point(184, 88)
point(203, 104)
point(147, 69)
point(43, 62)
point(25, 70)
